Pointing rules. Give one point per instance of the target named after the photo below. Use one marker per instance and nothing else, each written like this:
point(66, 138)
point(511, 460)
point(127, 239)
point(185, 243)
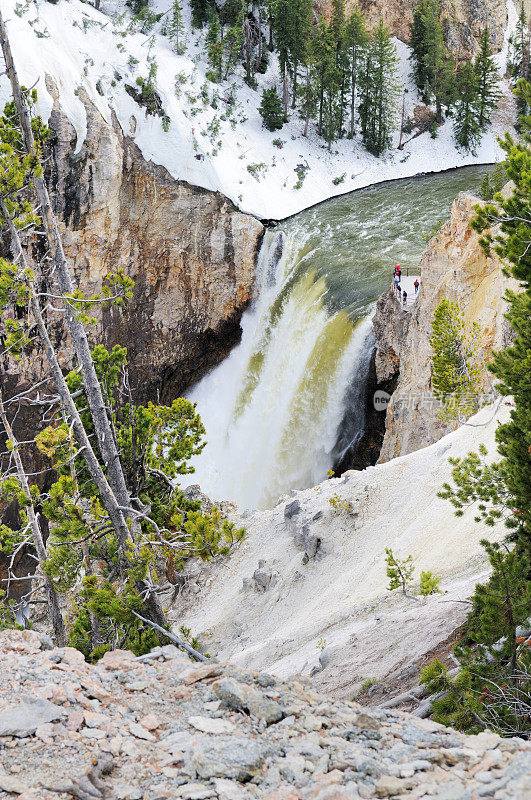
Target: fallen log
point(176, 640)
point(426, 707)
point(415, 693)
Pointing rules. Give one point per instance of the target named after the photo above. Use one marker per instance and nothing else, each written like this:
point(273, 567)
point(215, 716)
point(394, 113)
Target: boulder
point(237, 757)
point(24, 719)
point(243, 697)
point(292, 509)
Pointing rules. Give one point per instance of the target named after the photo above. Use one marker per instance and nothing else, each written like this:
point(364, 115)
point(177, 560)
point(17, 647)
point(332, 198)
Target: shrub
point(339, 503)
point(256, 169)
point(429, 584)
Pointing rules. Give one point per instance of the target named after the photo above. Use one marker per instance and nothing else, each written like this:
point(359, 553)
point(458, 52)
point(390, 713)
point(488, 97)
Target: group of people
point(402, 294)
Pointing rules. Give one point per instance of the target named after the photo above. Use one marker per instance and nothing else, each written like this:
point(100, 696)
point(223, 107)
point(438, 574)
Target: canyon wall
point(191, 253)
point(463, 21)
point(453, 266)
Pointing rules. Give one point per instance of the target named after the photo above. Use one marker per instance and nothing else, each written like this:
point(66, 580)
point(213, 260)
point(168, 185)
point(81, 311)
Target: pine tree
point(214, 48)
point(138, 6)
point(323, 54)
point(283, 41)
point(356, 40)
point(201, 11)
point(448, 86)
point(308, 92)
point(512, 366)
point(428, 52)
point(233, 43)
point(342, 62)
point(495, 671)
point(175, 27)
point(503, 603)
point(301, 27)
point(271, 7)
point(379, 92)
point(230, 12)
point(293, 20)
point(331, 77)
point(467, 132)
point(487, 81)
point(365, 93)
point(454, 371)
point(399, 571)
point(519, 60)
point(271, 109)
point(337, 20)
point(417, 42)
point(434, 58)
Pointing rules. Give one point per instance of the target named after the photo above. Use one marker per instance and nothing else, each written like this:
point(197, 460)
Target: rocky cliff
point(191, 253)
point(453, 266)
point(463, 21)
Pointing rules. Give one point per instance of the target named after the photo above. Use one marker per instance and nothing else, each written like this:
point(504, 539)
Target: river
point(273, 408)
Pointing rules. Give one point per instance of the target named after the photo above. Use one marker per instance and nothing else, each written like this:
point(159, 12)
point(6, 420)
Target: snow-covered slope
point(210, 142)
point(338, 596)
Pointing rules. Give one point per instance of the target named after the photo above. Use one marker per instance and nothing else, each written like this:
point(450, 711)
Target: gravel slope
point(163, 727)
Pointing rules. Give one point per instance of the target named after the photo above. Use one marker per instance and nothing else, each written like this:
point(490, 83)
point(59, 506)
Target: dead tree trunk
point(77, 330)
point(107, 495)
point(38, 542)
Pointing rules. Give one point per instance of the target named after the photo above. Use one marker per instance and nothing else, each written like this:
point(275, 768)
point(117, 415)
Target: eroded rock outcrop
point(453, 266)
point(463, 21)
point(191, 253)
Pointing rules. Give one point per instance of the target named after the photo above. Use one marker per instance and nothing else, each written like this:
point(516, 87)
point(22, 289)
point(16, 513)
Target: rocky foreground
point(161, 726)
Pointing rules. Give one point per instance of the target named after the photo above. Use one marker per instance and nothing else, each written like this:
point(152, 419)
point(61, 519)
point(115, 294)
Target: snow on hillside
point(209, 142)
point(338, 596)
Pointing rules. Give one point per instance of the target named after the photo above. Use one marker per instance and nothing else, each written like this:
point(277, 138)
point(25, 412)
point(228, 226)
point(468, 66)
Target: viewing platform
point(407, 284)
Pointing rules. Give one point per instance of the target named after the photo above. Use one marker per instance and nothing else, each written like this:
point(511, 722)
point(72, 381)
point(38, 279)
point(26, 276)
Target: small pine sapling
point(399, 571)
point(429, 584)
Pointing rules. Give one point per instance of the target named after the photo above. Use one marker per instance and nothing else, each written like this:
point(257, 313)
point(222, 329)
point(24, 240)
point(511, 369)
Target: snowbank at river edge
point(101, 52)
point(322, 573)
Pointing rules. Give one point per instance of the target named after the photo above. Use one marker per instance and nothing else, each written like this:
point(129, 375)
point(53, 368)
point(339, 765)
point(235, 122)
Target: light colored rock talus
point(191, 254)
point(160, 727)
point(464, 21)
point(453, 266)
point(311, 573)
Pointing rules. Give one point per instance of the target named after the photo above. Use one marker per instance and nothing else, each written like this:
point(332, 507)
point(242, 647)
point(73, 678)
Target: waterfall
point(272, 408)
point(290, 400)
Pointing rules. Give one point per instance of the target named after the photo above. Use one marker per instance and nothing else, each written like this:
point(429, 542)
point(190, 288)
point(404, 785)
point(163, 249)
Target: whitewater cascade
point(272, 408)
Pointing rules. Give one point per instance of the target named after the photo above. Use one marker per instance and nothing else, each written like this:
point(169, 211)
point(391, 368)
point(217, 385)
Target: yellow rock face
point(453, 266)
point(191, 253)
point(463, 21)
